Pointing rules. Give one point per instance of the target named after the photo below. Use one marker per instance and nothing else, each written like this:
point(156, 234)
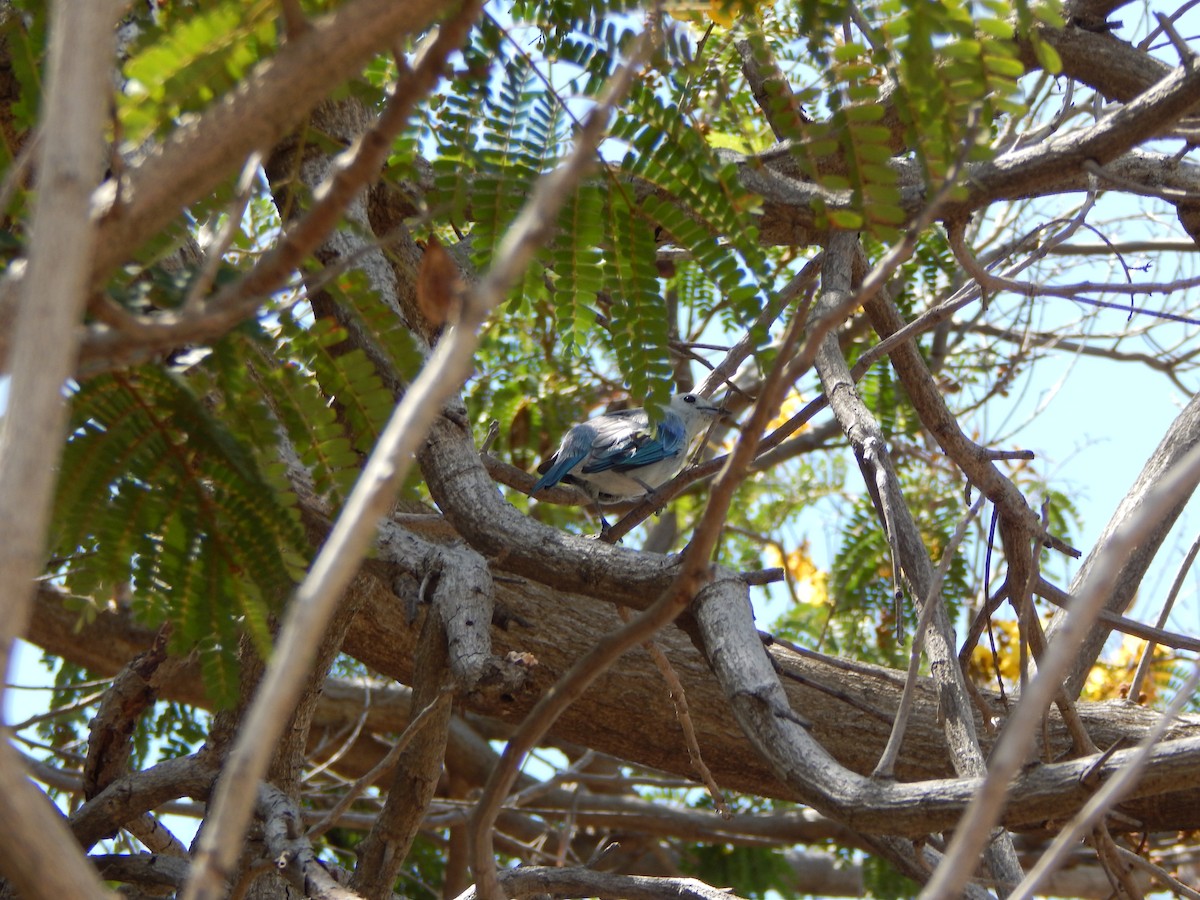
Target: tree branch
point(415, 776)
point(909, 553)
point(317, 596)
point(46, 339)
point(271, 100)
point(290, 850)
point(532, 881)
point(1176, 446)
point(1011, 751)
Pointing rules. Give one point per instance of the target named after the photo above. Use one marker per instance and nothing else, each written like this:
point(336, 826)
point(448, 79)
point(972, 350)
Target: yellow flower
point(791, 405)
point(811, 585)
point(983, 667)
point(1112, 679)
point(721, 12)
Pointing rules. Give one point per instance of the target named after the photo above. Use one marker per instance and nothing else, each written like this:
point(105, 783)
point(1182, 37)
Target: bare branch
point(1168, 458)
point(1108, 794)
point(1012, 749)
point(139, 792)
point(415, 776)
point(679, 700)
point(530, 881)
point(317, 596)
point(290, 850)
point(46, 340)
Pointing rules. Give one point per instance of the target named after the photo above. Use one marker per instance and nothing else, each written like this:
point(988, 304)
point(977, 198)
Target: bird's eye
point(689, 398)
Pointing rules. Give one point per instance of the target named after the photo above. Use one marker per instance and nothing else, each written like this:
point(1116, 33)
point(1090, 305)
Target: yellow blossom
point(809, 583)
point(721, 12)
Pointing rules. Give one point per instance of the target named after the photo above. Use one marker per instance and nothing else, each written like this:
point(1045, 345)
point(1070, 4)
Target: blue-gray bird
point(614, 457)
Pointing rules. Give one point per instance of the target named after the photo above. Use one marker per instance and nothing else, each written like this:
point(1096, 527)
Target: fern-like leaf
point(201, 56)
point(157, 497)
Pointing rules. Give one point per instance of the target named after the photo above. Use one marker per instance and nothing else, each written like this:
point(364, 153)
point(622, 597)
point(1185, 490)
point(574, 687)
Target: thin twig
point(1143, 669)
point(1123, 624)
point(887, 761)
point(1010, 751)
point(19, 168)
point(360, 722)
point(355, 790)
point(1159, 873)
point(1123, 887)
point(224, 237)
point(679, 701)
point(1108, 795)
point(725, 369)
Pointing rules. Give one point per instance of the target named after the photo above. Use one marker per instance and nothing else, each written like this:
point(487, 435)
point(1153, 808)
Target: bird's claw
point(605, 530)
point(654, 499)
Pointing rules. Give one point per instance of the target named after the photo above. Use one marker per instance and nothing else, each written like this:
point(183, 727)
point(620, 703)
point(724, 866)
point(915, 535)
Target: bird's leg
point(651, 495)
point(599, 510)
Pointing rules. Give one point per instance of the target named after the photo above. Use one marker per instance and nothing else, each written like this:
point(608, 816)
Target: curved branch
point(140, 792)
point(1177, 444)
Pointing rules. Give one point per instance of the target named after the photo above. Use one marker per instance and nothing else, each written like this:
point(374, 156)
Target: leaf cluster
point(596, 283)
point(174, 489)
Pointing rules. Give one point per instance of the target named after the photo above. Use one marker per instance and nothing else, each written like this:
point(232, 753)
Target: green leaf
point(164, 498)
point(1047, 56)
point(199, 57)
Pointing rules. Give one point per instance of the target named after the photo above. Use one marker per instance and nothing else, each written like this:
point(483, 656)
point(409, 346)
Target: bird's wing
point(624, 442)
point(575, 446)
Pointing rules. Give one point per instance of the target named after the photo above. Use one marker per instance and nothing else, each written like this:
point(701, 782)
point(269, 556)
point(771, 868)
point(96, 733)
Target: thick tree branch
point(533, 881)
point(1036, 169)
point(415, 777)
point(343, 186)
point(46, 339)
point(290, 850)
point(831, 693)
point(318, 595)
point(1179, 441)
point(140, 792)
point(147, 869)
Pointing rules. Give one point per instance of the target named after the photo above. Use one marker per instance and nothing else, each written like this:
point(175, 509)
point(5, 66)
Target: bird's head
point(696, 411)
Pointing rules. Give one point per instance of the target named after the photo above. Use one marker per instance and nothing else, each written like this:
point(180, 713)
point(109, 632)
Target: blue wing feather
point(629, 446)
point(575, 447)
point(617, 456)
point(619, 442)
